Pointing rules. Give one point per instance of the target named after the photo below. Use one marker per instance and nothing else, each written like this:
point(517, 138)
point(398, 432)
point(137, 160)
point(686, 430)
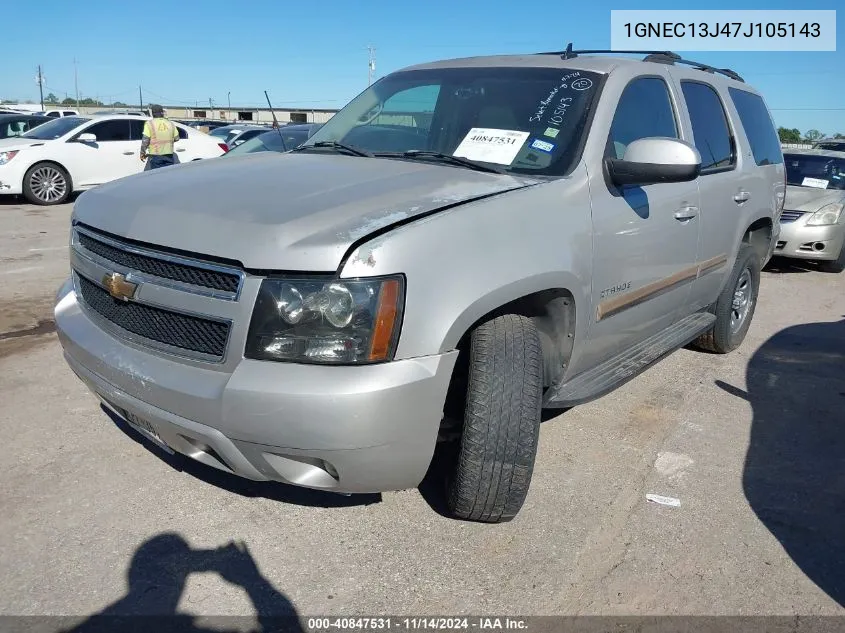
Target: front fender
point(466, 261)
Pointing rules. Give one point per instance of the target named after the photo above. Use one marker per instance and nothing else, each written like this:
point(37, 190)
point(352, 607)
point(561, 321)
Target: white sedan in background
point(75, 153)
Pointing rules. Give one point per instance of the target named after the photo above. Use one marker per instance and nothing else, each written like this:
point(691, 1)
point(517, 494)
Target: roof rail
point(660, 57)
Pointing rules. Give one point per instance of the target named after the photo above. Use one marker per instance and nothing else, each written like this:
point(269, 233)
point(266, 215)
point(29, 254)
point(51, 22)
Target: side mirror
point(87, 138)
point(654, 160)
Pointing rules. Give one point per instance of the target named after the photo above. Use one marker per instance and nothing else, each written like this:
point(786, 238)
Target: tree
point(68, 102)
point(51, 98)
point(813, 135)
point(838, 135)
point(789, 136)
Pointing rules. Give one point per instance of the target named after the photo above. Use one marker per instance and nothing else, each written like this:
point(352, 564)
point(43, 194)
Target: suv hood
point(810, 199)
point(272, 211)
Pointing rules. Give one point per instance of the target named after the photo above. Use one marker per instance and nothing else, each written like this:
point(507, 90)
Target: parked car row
point(67, 154)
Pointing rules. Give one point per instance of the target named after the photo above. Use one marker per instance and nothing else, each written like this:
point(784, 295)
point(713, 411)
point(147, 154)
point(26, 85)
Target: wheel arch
point(49, 161)
point(553, 311)
point(759, 235)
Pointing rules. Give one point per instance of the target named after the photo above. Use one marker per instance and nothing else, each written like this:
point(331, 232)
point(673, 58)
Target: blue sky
point(314, 54)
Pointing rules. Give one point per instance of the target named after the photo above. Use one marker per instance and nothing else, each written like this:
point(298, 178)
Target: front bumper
point(797, 240)
point(345, 429)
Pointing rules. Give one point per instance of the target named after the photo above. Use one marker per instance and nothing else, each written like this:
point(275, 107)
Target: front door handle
point(742, 196)
point(686, 213)
point(128, 153)
point(182, 149)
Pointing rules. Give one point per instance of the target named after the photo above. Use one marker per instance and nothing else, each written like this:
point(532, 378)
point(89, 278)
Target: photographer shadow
point(157, 577)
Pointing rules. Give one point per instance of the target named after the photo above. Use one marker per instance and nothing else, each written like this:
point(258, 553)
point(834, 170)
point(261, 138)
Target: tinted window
point(709, 125)
point(759, 128)
point(522, 120)
point(136, 130)
point(644, 110)
point(183, 133)
point(114, 130)
point(292, 139)
point(69, 113)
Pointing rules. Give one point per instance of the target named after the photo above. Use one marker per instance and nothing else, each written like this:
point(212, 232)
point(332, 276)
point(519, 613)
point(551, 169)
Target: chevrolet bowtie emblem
point(118, 287)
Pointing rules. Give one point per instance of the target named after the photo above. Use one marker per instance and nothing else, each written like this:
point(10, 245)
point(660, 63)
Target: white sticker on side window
point(491, 145)
point(821, 183)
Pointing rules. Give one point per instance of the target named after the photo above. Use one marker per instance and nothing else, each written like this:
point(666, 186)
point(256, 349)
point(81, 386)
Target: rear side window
point(710, 129)
point(759, 128)
point(644, 110)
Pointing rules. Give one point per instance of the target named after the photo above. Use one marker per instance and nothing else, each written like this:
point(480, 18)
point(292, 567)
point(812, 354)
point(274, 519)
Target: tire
point(733, 321)
point(46, 184)
point(837, 265)
point(498, 444)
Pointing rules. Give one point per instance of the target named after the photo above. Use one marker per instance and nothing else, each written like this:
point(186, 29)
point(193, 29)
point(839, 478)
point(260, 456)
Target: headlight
point(326, 321)
point(828, 214)
point(5, 157)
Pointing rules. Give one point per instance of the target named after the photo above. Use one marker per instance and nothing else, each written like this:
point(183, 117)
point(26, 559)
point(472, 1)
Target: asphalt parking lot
point(753, 445)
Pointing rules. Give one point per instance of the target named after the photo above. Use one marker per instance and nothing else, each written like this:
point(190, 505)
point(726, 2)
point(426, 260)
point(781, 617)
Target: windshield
point(221, 131)
point(55, 128)
point(266, 142)
point(522, 120)
point(821, 172)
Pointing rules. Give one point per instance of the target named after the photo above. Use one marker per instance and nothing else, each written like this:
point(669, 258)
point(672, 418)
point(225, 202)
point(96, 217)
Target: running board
point(618, 370)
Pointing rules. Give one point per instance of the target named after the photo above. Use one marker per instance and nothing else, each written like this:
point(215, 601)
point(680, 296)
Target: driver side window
point(114, 130)
point(644, 110)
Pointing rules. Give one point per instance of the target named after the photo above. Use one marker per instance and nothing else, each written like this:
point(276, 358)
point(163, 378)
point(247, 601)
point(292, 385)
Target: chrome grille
point(207, 277)
point(168, 327)
point(790, 216)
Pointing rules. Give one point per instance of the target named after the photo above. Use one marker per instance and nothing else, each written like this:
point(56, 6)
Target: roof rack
point(660, 57)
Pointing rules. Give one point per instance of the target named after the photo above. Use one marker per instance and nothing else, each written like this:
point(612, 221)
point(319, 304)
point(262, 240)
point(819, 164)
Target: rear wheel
point(46, 184)
point(734, 309)
point(501, 426)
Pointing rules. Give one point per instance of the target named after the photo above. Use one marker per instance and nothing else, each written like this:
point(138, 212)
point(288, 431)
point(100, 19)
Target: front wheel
point(735, 306)
point(501, 425)
point(46, 184)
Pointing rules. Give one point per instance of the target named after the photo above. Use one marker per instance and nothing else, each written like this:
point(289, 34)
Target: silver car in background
point(812, 225)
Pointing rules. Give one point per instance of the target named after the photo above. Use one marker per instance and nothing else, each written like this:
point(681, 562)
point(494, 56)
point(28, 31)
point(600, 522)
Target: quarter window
point(759, 128)
point(644, 110)
point(710, 129)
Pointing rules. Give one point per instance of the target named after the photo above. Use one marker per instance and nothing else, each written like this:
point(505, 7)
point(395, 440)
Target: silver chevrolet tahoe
point(465, 244)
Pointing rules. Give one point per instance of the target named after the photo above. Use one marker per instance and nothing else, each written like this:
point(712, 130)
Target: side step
point(618, 370)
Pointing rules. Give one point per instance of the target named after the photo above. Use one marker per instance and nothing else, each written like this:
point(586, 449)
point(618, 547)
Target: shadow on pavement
point(157, 577)
point(794, 477)
point(275, 491)
point(785, 265)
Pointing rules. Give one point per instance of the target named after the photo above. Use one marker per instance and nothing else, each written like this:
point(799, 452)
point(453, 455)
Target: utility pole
point(371, 65)
point(229, 101)
point(76, 82)
point(41, 86)
point(140, 98)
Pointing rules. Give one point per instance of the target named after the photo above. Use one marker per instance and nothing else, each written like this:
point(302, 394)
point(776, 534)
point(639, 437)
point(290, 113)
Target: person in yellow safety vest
point(157, 140)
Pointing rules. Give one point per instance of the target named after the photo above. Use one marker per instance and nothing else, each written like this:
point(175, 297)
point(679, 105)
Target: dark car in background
point(12, 125)
point(282, 139)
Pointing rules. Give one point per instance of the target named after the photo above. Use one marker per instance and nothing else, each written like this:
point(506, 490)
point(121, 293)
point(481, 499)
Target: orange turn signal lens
point(385, 320)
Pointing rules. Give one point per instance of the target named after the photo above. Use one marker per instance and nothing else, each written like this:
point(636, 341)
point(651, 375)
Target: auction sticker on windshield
point(821, 183)
point(491, 146)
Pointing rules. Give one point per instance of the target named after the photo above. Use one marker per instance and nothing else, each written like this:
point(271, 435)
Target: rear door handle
point(686, 213)
point(742, 196)
point(180, 149)
point(128, 153)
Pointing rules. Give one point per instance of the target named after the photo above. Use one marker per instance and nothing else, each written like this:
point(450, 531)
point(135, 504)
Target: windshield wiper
point(444, 158)
point(335, 145)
